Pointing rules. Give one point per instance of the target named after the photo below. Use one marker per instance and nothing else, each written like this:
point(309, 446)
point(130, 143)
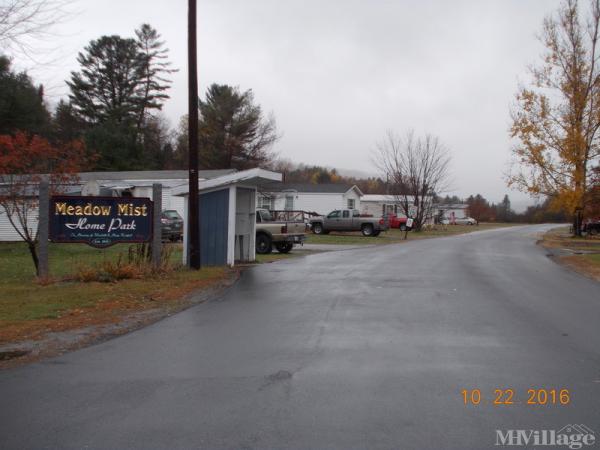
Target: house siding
point(8, 233)
point(320, 203)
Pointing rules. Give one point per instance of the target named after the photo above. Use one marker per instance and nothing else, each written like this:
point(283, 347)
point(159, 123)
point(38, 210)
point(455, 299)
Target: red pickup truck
point(394, 221)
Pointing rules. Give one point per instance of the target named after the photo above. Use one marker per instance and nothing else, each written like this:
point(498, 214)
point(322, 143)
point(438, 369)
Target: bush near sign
point(100, 221)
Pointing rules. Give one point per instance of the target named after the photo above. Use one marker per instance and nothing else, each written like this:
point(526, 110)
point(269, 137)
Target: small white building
point(227, 215)
point(317, 198)
point(452, 211)
point(377, 205)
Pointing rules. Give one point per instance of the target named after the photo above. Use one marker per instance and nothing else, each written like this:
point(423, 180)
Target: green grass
point(594, 259)
point(22, 298)
point(16, 264)
point(395, 235)
point(31, 301)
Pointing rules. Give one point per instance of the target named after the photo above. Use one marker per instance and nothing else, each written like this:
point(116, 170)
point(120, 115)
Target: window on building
point(289, 202)
point(265, 202)
point(351, 203)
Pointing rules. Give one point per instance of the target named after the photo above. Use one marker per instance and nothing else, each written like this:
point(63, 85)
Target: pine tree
point(108, 86)
point(21, 102)
point(156, 69)
point(233, 132)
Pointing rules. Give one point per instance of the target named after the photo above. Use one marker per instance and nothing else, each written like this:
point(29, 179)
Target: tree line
point(114, 107)
point(482, 210)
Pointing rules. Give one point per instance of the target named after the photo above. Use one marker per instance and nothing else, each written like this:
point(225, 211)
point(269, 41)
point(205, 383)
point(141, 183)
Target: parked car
point(281, 235)
point(458, 221)
point(394, 221)
point(465, 221)
point(347, 220)
point(592, 228)
point(171, 225)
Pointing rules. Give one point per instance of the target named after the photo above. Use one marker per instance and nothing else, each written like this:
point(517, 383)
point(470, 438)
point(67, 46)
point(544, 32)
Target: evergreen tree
point(21, 102)
point(107, 89)
point(156, 69)
point(233, 131)
point(503, 210)
point(119, 81)
point(65, 123)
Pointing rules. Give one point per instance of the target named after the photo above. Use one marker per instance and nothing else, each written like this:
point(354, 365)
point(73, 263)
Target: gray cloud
point(337, 74)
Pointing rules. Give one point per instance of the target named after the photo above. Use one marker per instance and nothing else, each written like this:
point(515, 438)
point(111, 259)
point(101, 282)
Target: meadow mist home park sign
point(100, 221)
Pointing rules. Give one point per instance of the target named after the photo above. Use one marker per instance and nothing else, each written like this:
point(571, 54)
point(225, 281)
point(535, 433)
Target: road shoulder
point(581, 255)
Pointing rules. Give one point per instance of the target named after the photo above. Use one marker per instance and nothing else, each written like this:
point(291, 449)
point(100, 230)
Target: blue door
point(214, 215)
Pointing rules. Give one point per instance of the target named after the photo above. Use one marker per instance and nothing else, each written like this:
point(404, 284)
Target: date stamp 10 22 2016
point(509, 396)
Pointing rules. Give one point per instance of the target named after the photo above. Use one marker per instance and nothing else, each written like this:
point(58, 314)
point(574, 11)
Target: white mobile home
point(317, 198)
point(453, 211)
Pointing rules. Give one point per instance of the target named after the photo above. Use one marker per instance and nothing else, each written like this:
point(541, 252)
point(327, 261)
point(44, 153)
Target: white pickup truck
point(281, 235)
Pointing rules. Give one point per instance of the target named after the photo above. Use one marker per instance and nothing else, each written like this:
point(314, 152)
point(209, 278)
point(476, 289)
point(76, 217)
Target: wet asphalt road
point(364, 348)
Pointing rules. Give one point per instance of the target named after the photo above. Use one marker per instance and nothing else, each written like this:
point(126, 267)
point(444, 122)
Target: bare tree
point(22, 21)
point(416, 168)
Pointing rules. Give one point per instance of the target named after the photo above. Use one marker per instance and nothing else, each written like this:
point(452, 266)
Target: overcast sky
point(338, 73)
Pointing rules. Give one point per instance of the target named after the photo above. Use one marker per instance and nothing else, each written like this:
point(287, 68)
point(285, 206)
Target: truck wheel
point(367, 229)
point(317, 228)
point(263, 244)
point(284, 247)
point(593, 231)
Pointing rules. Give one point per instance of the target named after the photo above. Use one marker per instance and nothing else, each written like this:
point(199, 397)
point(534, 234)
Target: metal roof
point(326, 188)
point(151, 175)
point(256, 177)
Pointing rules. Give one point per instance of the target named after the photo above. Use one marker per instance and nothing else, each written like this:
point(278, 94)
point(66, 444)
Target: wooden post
point(193, 241)
point(44, 217)
point(157, 226)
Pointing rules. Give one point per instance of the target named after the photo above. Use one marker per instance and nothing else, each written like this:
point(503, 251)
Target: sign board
point(409, 222)
point(100, 221)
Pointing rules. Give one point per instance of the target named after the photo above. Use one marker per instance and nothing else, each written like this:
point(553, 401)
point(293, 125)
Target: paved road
point(357, 349)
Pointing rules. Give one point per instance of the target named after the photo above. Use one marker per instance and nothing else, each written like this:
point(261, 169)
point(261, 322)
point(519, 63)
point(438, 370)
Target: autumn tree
point(233, 131)
point(417, 169)
point(480, 208)
point(25, 161)
point(556, 119)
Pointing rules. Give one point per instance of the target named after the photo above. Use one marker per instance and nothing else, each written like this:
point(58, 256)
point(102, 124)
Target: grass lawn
point(561, 238)
point(16, 263)
point(586, 257)
point(395, 235)
point(29, 310)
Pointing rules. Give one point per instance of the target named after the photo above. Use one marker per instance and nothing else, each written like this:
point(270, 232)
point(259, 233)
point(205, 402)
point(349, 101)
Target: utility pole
point(193, 204)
